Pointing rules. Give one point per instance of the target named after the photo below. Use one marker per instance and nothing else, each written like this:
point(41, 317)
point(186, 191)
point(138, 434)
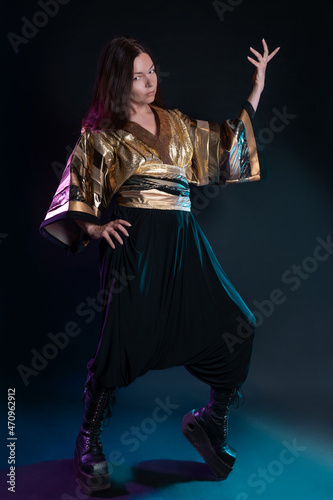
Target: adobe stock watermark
point(3, 236)
point(201, 198)
point(161, 74)
point(222, 8)
point(293, 277)
point(277, 124)
point(57, 342)
point(262, 478)
point(132, 438)
point(30, 27)
point(137, 434)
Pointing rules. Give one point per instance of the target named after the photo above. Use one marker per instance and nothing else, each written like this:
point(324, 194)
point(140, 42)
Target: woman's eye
point(152, 71)
point(136, 78)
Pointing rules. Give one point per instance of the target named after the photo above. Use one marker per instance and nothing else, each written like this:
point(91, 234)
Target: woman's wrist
point(257, 87)
point(254, 97)
point(87, 227)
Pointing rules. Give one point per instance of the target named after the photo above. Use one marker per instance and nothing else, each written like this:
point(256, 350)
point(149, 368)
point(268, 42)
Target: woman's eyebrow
point(140, 72)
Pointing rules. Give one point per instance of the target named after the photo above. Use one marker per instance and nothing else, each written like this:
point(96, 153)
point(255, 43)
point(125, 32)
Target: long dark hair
point(109, 109)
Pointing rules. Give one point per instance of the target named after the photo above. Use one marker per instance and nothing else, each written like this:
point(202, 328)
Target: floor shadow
point(161, 473)
point(54, 480)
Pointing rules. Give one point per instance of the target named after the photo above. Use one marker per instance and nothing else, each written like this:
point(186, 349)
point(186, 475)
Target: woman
point(166, 300)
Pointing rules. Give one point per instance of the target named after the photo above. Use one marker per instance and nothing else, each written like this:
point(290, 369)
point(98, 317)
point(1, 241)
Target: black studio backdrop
point(265, 234)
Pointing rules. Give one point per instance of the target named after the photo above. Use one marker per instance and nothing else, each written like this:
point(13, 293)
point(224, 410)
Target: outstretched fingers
point(265, 58)
point(273, 54)
point(266, 51)
point(256, 53)
point(253, 61)
point(267, 55)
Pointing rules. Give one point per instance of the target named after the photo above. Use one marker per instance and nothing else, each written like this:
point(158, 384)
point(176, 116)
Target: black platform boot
point(90, 465)
point(207, 430)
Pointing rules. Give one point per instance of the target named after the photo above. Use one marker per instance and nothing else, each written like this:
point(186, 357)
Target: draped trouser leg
point(167, 302)
point(227, 366)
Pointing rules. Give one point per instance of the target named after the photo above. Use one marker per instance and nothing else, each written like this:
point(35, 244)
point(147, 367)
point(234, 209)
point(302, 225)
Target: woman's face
point(144, 80)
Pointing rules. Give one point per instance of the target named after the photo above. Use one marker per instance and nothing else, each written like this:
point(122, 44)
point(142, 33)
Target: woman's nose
point(149, 81)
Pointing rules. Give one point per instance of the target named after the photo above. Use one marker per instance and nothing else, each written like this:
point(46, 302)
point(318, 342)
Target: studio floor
point(280, 455)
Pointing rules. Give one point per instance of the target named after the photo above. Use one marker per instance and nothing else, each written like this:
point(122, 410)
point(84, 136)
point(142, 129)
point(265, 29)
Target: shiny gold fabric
point(183, 152)
point(154, 198)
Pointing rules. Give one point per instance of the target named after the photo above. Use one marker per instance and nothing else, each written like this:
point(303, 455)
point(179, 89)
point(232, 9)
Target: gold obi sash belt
point(155, 192)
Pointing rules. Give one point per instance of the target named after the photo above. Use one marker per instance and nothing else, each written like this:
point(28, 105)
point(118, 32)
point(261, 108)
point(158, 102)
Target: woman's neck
point(139, 110)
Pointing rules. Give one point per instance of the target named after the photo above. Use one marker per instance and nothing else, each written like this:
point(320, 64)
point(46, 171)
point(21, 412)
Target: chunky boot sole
point(196, 435)
point(90, 484)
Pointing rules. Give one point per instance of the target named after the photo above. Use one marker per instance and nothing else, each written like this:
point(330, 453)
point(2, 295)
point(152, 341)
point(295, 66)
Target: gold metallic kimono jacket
point(149, 171)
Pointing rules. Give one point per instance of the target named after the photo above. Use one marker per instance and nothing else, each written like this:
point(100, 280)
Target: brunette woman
point(166, 300)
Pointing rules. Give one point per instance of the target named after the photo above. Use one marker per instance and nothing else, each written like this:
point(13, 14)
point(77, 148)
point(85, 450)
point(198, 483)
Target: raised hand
point(261, 64)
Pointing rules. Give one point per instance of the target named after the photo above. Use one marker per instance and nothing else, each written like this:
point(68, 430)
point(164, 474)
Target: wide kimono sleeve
point(84, 190)
point(226, 153)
